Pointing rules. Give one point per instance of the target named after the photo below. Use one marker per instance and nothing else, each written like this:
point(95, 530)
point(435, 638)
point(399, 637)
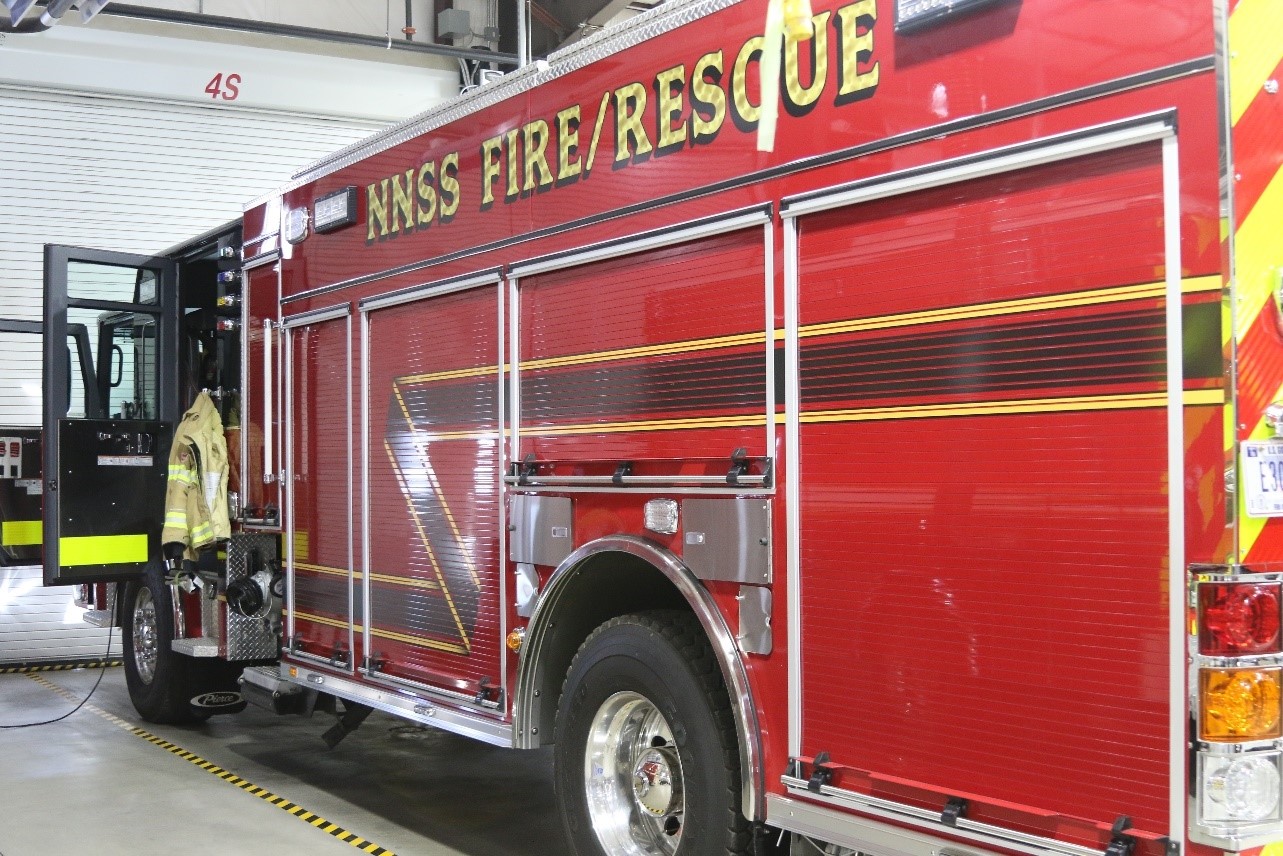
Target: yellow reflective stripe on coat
point(21, 533)
point(182, 475)
point(202, 533)
point(176, 518)
point(101, 550)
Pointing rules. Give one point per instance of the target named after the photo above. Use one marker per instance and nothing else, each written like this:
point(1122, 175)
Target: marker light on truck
point(1239, 704)
point(1237, 619)
point(1240, 788)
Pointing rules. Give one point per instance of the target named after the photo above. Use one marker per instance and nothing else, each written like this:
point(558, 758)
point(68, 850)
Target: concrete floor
point(89, 784)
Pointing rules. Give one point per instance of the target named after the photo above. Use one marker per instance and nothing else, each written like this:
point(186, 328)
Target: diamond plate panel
point(251, 638)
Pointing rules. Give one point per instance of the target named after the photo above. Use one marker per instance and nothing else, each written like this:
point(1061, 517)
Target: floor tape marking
point(231, 778)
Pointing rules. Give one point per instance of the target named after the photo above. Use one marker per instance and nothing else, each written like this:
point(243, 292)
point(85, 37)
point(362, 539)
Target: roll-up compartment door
point(984, 524)
point(658, 354)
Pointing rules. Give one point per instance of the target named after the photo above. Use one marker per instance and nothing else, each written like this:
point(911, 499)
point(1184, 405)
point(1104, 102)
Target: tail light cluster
point(1238, 660)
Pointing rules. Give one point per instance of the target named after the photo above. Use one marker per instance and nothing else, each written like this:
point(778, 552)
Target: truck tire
point(161, 682)
point(646, 760)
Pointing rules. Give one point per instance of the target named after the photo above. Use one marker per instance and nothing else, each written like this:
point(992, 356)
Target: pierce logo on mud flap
point(219, 702)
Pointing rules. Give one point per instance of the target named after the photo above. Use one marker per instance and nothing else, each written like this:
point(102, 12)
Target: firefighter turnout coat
point(196, 496)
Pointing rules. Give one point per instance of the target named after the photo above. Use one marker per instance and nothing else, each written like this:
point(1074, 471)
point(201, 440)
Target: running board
point(981, 833)
point(421, 709)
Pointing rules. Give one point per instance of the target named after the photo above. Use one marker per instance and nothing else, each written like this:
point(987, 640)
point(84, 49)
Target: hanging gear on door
point(196, 495)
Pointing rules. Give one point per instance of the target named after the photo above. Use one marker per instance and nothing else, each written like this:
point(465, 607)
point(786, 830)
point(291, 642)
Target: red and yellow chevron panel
point(1256, 116)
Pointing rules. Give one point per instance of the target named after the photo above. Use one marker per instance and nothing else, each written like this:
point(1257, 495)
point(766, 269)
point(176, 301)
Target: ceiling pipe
point(523, 33)
point(53, 12)
point(266, 28)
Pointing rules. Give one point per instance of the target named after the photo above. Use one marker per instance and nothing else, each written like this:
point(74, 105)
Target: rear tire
point(646, 759)
point(161, 682)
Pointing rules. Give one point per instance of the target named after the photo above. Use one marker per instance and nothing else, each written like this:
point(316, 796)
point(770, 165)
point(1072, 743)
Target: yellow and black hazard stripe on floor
point(267, 796)
point(71, 666)
point(1255, 70)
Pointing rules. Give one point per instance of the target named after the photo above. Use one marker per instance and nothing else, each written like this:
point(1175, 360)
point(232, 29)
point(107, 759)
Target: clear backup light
point(661, 516)
point(1239, 618)
point(1240, 789)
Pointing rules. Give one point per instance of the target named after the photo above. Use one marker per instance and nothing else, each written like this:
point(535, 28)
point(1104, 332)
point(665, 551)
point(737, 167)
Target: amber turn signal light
point(1239, 704)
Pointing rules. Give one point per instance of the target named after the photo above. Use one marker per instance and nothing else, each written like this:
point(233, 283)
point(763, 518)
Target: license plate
point(1261, 478)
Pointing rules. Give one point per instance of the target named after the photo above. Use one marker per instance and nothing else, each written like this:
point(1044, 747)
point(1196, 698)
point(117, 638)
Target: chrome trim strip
point(1043, 150)
point(287, 499)
point(441, 693)
point(711, 490)
point(710, 617)
point(501, 461)
point(316, 316)
point(1177, 715)
point(680, 233)
point(1225, 135)
point(430, 289)
point(269, 380)
point(243, 464)
point(792, 490)
point(922, 818)
point(858, 833)
point(366, 637)
point(768, 330)
point(259, 260)
point(609, 481)
point(514, 367)
point(421, 710)
point(351, 498)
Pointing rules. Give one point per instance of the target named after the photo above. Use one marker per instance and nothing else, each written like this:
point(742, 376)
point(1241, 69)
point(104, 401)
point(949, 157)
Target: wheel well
point(598, 589)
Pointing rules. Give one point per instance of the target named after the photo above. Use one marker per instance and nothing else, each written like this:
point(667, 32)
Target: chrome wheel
point(145, 635)
point(633, 778)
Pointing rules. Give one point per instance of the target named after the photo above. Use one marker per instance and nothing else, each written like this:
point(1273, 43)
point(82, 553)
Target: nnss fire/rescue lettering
point(681, 109)
point(415, 199)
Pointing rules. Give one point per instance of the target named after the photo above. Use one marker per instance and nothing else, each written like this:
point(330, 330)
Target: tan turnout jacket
point(196, 496)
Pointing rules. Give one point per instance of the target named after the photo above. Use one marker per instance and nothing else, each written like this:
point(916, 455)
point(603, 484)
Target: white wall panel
point(127, 175)
point(38, 623)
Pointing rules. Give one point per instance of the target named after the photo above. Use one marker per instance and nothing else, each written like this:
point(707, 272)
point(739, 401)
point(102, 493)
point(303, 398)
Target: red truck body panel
point(978, 566)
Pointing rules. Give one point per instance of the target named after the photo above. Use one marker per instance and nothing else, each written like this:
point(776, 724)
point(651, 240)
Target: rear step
point(263, 687)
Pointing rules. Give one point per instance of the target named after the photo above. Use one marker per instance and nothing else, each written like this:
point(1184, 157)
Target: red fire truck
point(906, 485)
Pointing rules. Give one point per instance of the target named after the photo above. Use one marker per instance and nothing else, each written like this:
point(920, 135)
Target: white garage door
point(122, 174)
point(131, 175)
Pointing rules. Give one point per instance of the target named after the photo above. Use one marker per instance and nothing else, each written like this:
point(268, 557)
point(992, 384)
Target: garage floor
point(103, 781)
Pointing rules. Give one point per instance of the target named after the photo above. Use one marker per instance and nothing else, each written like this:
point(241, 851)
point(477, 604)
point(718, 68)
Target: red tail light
point(1236, 619)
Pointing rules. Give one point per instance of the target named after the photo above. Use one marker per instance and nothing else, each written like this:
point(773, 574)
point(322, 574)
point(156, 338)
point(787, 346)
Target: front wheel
point(646, 757)
point(161, 682)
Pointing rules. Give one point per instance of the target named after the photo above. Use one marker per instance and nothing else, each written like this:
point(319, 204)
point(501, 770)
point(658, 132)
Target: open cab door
point(110, 388)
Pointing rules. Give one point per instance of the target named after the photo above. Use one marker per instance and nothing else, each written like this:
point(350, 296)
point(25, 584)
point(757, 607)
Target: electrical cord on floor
point(102, 670)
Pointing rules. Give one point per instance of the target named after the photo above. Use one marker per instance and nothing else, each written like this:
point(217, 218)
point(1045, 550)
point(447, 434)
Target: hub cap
point(144, 635)
point(633, 778)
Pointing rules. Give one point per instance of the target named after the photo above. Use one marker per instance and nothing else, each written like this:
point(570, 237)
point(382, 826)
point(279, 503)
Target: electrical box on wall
point(453, 23)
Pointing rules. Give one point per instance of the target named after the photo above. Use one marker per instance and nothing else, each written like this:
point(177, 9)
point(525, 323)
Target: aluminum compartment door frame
point(1138, 130)
point(1175, 497)
point(485, 279)
point(288, 326)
